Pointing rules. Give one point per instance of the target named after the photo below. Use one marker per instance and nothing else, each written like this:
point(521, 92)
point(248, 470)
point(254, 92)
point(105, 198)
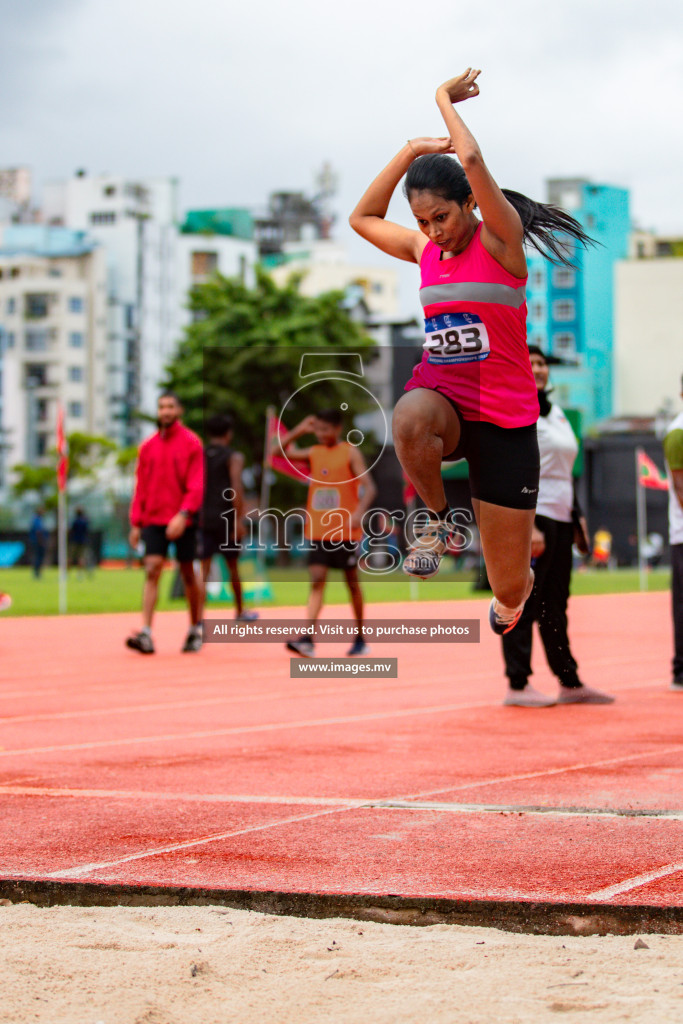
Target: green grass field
point(119, 590)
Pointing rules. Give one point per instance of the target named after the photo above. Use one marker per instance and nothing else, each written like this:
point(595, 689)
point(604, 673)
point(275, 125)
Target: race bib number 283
point(456, 338)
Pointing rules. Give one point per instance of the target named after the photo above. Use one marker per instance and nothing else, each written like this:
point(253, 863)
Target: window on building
point(537, 279)
point(76, 373)
point(103, 218)
point(537, 311)
point(130, 317)
point(76, 304)
point(41, 445)
point(37, 340)
point(564, 310)
point(76, 410)
point(10, 339)
point(11, 305)
point(36, 305)
point(76, 339)
point(564, 343)
point(36, 375)
point(564, 277)
point(42, 409)
point(204, 263)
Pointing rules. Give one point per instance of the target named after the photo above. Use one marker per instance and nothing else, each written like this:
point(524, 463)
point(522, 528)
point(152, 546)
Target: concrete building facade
point(53, 340)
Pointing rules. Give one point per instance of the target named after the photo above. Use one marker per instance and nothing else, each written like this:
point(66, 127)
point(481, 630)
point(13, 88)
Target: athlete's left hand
point(581, 536)
point(176, 527)
point(463, 87)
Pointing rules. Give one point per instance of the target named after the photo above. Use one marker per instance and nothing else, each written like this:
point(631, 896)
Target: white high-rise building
point(53, 340)
point(135, 223)
point(150, 267)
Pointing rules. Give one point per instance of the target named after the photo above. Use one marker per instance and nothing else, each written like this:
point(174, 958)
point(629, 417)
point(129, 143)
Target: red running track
point(217, 771)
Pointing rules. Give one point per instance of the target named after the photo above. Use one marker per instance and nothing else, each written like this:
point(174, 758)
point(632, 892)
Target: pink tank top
point(475, 349)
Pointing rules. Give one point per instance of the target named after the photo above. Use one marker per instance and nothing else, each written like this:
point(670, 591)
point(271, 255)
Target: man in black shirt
point(221, 528)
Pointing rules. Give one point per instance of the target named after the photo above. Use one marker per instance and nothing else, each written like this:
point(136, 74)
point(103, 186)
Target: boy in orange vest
point(340, 491)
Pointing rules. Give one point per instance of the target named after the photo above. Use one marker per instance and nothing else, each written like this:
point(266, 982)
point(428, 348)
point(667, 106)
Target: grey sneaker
point(528, 698)
point(247, 615)
point(141, 642)
point(429, 547)
point(193, 642)
point(583, 695)
point(303, 645)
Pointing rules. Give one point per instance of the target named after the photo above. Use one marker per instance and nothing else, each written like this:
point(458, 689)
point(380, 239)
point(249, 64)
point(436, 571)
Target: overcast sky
point(239, 99)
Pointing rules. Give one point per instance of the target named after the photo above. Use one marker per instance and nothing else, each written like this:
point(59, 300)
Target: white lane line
point(629, 884)
point(361, 803)
point(239, 730)
point(24, 693)
point(523, 776)
point(203, 798)
point(245, 698)
point(85, 869)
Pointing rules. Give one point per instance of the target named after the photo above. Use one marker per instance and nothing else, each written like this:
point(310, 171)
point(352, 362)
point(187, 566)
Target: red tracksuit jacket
point(169, 476)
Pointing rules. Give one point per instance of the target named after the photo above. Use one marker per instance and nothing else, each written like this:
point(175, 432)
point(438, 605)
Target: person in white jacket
point(557, 526)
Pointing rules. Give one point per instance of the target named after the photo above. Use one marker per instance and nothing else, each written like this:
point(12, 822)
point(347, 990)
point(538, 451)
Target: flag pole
point(641, 518)
point(264, 499)
point(61, 550)
point(62, 474)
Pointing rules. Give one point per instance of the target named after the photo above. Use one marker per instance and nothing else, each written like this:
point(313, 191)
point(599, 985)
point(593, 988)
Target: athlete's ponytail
point(545, 227)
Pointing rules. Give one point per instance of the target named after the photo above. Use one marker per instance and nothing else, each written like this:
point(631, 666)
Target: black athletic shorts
point(504, 464)
point(343, 555)
point(157, 543)
point(215, 542)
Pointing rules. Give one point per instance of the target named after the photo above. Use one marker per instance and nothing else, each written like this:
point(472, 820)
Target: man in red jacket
point(169, 487)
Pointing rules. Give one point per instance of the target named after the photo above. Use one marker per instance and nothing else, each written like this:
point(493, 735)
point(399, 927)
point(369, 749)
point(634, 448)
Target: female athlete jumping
point(473, 395)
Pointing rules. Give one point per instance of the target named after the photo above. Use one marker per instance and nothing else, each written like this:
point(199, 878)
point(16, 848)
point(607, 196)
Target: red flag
point(649, 474)
point(62, 450)
point(298, 469)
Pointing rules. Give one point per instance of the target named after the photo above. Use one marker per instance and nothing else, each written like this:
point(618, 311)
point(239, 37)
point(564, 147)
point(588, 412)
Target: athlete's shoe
point(429, 547)
point(501, 622)
point(193, 642)
point(677, 685)
point(528, 698)
point(583, 695)
point(141, 642)
point(303, 645)
point(5, 602)
point(358, 648)
point(247, 615)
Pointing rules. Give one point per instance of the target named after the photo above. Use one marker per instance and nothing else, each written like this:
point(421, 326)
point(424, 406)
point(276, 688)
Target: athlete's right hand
point(425, 144)
point(307, 426)
point(462, 87)
point(134, 537)
point(537, 542)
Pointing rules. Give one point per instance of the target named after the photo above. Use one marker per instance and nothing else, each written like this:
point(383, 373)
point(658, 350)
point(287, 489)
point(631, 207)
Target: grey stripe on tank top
point(474, 291)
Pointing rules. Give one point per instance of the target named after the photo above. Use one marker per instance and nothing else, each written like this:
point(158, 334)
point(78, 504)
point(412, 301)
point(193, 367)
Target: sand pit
point(210, 965)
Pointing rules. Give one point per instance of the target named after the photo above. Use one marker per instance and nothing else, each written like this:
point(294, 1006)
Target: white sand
point(211, 965)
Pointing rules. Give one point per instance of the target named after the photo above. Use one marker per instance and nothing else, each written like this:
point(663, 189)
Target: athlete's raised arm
point(502, 223)
point(368, 217)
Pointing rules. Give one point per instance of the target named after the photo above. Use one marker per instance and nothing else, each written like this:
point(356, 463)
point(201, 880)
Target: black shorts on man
point(342, 555)
point(157, 543)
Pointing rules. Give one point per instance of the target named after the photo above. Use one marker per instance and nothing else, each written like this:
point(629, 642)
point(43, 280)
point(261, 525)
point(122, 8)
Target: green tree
point(243, 353)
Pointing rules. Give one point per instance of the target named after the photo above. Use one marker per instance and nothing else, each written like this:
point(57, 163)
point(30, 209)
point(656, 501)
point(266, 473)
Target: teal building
point(571, 309)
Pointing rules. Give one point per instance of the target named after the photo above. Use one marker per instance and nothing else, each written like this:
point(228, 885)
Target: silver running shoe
point(429, 547)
